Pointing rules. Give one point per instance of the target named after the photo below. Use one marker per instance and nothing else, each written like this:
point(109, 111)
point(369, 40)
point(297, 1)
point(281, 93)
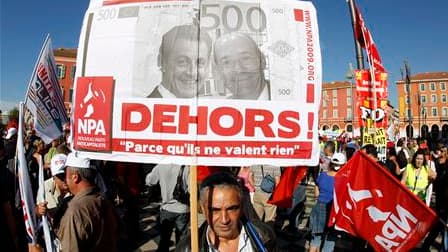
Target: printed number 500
point(284, 91)
point(252, 13)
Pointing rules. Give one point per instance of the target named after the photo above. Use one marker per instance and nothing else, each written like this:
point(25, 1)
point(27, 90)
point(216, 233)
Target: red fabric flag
point(371, 204)
point(291, 177)
point(366, 40)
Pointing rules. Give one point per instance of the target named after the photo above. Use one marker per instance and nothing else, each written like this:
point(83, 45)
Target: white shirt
point(264, 95)
point(244, 244)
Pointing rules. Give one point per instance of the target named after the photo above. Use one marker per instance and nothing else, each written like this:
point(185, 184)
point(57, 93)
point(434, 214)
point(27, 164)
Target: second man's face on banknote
point(185, 68)
point(240, 65)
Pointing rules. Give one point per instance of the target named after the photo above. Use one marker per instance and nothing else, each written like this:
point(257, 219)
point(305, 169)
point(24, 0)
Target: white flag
point(26, 191)
point(44, 97)
point(45, 225)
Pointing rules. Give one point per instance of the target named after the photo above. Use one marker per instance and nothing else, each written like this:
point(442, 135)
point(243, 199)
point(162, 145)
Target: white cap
point(338, 159)
point(78, 162)
point(58, 164)
point(11, 132)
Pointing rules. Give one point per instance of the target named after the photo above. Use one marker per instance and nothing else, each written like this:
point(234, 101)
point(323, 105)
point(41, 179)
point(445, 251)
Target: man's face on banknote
point(241, 65)
point(184, 68)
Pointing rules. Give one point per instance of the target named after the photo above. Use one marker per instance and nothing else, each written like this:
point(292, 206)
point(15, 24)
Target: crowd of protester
point(93, 205)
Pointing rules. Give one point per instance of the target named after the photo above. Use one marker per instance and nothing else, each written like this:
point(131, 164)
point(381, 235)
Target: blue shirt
point(326, 187)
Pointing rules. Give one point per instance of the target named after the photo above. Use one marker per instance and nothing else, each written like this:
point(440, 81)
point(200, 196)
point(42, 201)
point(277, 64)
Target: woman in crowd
point(417, 176)
point(320, 212)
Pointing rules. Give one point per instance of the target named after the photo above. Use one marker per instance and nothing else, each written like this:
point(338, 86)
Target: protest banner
point(44, 96)
point(198, 82)
point(365, 85)
point(25, 189)
point(381, 211)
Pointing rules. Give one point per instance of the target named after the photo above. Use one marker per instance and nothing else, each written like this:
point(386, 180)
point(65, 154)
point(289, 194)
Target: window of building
point(70, 97)
point(434, 111)
point(406, 88)
point(60, 71)
point(324, 102)
point(349, 101)
point(408, 113)
point(432, 86)
point(335, 113)
point(406, 100)
point(349, 113)
point(423, 98)
point(324, 93)
point(443, 98)
point(324, 114)
point(444, 111)
point(335, 93)
point(73, 71)
point(422, 86)
point(335, 101)
point(433, 98)
point(424, 112)
point(442, 86)
point(349, 91)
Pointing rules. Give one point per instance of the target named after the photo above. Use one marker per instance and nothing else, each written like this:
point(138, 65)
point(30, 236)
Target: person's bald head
point(241, 65)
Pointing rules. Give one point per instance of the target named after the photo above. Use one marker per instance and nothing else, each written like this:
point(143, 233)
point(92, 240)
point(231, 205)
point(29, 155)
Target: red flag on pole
point(371, 204)
point(291, 177)
point(366, 40)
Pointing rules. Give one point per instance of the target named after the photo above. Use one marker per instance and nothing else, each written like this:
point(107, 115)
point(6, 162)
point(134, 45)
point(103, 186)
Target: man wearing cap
point(320, 212)
point(55, 188)
point(89, 223)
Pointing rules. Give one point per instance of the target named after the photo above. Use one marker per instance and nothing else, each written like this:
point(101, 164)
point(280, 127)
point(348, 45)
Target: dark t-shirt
point(390, 166)
point(441, 186)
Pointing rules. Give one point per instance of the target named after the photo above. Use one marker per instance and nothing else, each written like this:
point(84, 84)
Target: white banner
point(44, 97)
point(199, 82)
point(26, 192)
point(49, 243)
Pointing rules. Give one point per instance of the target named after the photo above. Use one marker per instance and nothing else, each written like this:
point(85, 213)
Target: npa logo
point(93, 113)
point(392, 225)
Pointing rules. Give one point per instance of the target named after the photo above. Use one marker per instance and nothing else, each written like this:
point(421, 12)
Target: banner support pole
point(194, 207)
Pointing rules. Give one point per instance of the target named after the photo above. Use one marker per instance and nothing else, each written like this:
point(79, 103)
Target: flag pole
point(194, 207)
point(358, 49)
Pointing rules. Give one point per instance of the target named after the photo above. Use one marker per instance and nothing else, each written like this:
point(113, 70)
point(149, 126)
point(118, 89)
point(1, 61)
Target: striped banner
point(44, 96)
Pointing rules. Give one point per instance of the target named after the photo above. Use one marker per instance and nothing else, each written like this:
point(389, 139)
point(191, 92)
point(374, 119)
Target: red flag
point(291, 177)
point(371, 204)
point(366, 40)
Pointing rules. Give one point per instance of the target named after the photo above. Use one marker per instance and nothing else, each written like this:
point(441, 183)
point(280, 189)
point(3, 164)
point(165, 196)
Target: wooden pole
point(194, 208)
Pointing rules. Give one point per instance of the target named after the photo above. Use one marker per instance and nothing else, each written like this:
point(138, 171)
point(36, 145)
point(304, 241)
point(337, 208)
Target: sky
point(414, 31)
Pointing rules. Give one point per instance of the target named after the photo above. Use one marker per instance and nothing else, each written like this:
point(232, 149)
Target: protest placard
point(199, 82)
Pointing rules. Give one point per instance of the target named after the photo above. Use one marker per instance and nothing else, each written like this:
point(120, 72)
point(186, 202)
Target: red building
point(66, 68)
point(338, 108)
point(423, 105)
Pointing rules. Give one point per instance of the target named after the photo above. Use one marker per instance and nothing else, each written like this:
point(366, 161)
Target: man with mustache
point(226, 227)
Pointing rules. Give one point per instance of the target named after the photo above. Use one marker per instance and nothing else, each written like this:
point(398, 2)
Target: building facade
point(66, 67)
point(423, 105)
point(338, 108)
